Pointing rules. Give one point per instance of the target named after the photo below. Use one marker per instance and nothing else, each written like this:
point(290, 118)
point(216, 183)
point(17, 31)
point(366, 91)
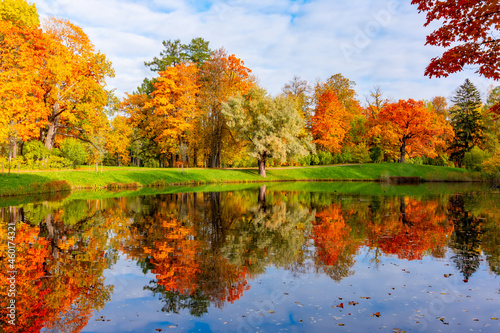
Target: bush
point(34, 151)
point(151, 163)
point(491, 166)
point(74, 150)
point(325, 157)
point(474, 158)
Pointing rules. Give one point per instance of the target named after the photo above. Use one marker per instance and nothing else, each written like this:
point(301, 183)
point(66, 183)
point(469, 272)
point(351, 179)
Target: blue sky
point(372, 42)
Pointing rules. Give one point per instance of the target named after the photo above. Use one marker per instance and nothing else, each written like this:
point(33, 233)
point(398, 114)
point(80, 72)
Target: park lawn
point(133, 177)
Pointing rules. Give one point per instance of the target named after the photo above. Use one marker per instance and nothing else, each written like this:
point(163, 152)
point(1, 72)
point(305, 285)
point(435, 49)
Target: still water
point(314, 258)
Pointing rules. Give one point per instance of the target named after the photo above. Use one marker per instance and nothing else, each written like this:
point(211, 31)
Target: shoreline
point(113, 178)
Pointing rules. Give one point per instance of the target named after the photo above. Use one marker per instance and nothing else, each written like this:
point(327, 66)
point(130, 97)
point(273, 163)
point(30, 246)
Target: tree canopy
point(270, 125)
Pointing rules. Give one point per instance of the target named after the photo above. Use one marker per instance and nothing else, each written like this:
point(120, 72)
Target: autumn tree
point(22, 55)
point(119, 139)
point(440, 106)
point(173, 106)
point(330, 123)
point(344, 89)
point(74, 84)
point(469, 31)
point(270, 125)
point(466, 120)
point(221, 77)
point(412, 127)
point(19, 12)
point(354, 142)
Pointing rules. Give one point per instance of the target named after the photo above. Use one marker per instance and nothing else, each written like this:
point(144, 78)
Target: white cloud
point(368, 41)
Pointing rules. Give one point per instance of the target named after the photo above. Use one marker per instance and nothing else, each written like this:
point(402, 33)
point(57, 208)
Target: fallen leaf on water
point(352, 303)
point(494, 318)
point(271, 311)
point(341, 324)
point(364, 297)
point(475, 319)
point(375, 314)
point(341, 305)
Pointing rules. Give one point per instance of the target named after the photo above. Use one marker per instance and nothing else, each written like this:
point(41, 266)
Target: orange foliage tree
point(330, 122)
point(173, 106)
point(411, 127)
point(22, 54)
point(74, 84)
point(119, 138)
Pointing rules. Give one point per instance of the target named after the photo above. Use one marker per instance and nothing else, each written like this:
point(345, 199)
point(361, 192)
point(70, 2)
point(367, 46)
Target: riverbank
point(132, 177)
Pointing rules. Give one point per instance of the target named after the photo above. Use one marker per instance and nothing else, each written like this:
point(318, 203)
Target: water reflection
point(204, 248)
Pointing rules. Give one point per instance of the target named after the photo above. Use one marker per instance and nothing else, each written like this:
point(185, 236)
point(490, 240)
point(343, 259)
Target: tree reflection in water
point(204, 248)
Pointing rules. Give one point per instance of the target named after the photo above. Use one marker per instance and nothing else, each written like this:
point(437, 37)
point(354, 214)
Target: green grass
point(130, 177)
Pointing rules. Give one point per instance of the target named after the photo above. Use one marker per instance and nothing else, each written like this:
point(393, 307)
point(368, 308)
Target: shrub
point(491, 166)
point(474, 158)
point(34, 151)
point(151, 163)
point(74, 150)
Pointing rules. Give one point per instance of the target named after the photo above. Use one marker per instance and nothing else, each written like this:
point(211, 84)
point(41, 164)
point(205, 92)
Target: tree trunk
point(403, 152)
point(262, 166)
point(53, 125)
point(14, 148)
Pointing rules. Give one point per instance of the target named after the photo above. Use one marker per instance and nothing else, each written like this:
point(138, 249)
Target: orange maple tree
point(173, 106)
point(411, 127)
point(22, 54)
point(74, 84)
point(470, 32)
point(330, 122)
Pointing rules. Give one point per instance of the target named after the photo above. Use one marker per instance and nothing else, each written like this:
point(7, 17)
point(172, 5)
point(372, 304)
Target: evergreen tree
point(466, 120)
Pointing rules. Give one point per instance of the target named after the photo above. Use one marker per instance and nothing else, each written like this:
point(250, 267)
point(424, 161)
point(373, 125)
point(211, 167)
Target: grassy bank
point(129, 177)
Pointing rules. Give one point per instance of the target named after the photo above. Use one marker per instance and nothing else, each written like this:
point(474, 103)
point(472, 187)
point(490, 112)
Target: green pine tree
point(466, 120)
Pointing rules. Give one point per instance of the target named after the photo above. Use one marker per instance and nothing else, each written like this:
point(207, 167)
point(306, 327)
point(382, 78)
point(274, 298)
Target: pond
point(307, 257)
